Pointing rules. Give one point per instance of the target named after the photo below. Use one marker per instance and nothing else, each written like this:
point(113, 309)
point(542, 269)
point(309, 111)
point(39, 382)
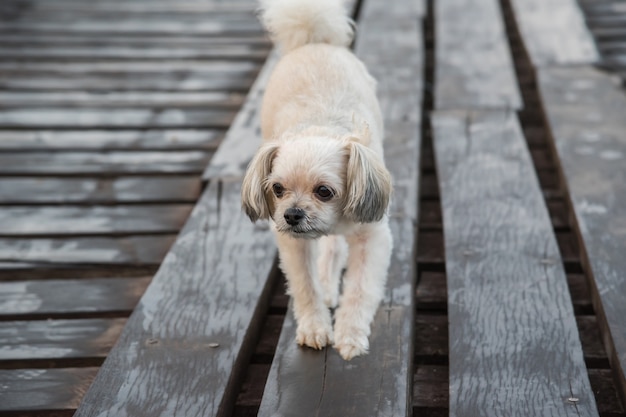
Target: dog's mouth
point(301, 232)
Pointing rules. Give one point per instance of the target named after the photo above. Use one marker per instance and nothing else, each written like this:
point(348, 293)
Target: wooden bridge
point(131, 284)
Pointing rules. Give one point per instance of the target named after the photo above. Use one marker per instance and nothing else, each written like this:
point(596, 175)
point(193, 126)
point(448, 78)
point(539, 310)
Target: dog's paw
point(351, 342)
point(314, 333)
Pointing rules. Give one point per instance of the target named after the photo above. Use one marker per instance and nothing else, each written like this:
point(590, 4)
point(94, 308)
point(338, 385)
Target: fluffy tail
point(294, 23)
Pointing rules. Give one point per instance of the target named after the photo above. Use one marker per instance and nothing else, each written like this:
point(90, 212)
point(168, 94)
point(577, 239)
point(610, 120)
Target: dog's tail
point(294, 23)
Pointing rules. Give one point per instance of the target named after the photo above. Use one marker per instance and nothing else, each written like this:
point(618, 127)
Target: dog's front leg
point(364, 286)
point(298, 261)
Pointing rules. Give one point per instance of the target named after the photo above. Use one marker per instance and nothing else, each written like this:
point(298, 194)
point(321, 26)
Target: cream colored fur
point(320, 175)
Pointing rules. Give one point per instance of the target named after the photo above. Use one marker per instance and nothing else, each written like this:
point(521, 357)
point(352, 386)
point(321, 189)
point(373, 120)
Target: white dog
point(320, 175)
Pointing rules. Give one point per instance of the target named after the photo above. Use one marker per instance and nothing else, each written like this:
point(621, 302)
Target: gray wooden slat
point(118, 67)
point(41, 298)
point(127, 52)
point(243, 139)
point(474, 68)
point(51, 117)
point(45, 190)
point(57, 339)
point(514, 345)
point(585, 111)
point(44, 389)
point(115, 99)
point(554, 32)
point(208, 290)
point(259, 41)
point(96, 220)
point(121, 6)
point(135, 250)
point(192, 139)
point(102, 163)
point(182, 81)
point(306, 382)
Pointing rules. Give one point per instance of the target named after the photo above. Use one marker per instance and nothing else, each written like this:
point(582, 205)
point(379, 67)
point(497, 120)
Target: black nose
point(293, 215)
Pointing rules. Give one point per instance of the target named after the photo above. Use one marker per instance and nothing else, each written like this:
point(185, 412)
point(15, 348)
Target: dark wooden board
point(585, 112)
point(67, 297)
point(514, 346)
point(88, 191)
point(31, 221)
point(134, 250)
point(41, 341)
point(115, 99)
point(211, 288)
point(44, 389)
point(102, 163)
point(307, 382)
point(91, 140)
point(554, 32)
point(126, 118)
point(474, 68)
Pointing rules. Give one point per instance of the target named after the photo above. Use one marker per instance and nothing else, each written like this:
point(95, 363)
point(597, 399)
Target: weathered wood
point(307, 382)
point(243, 139)
point(211, 288)
point(45, 190)
point(134, 250)
point(554, 32)
point(509, 307)
point(122, 6)
point(47, 340)
point(474, 68)
point(28, 140)
point(585, 112)
point(109, 163)
point(44, 389)
point(69, 297)
point(259, 41)
point(46, 117)
point(176, 99)
point(98, 220)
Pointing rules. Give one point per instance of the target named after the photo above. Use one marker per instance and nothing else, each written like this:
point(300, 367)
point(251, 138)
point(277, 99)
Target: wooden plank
point(95, 118)
point(46, 190)
point(118, 67)
point(104, 82)
point(33, 221)
point(134, 250)
point(554, 32)
point(121, 6)
point(153, 139)
point(41, 341)
point(585, 112)
point(307, 382)
point(133, 53)
point(244, 137)
point(44, 389)
point(101, 163)
point(69, 297)
point(211, 288)
point(259, 41)
point(474, 68)
point(115, 99)
point(514, 346)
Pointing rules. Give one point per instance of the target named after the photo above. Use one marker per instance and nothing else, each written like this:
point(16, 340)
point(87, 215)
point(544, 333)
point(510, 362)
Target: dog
point(319, 175)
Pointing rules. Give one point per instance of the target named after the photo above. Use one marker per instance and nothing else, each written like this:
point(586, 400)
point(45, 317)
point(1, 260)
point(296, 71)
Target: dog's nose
point(293, 215)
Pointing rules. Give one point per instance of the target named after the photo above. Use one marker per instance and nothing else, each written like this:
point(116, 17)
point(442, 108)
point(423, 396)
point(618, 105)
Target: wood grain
point(208, 290)
point(44, 389)
point(307, 382)
point(474, 68)
point(514, 347)
point(554, 32)
point(66, 297)
point(585, 112)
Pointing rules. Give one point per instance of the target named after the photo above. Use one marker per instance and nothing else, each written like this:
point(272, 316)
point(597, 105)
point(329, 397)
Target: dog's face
point(309, 185)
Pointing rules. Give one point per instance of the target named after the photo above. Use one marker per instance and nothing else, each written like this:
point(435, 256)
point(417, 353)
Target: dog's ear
point(255, 200)
point(368, 185)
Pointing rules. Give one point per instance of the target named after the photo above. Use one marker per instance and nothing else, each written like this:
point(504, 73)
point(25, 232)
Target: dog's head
point(308, 185)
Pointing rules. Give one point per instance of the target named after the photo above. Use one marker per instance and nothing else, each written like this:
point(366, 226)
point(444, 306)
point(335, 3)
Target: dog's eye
point(324, 193)
point(278, 190)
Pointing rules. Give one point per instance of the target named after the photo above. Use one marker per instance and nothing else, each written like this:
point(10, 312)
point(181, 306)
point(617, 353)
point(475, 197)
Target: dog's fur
point(320, 175)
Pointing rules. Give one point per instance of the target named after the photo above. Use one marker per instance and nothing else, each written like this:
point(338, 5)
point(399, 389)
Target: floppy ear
point(368, 185)
point(254, 199)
